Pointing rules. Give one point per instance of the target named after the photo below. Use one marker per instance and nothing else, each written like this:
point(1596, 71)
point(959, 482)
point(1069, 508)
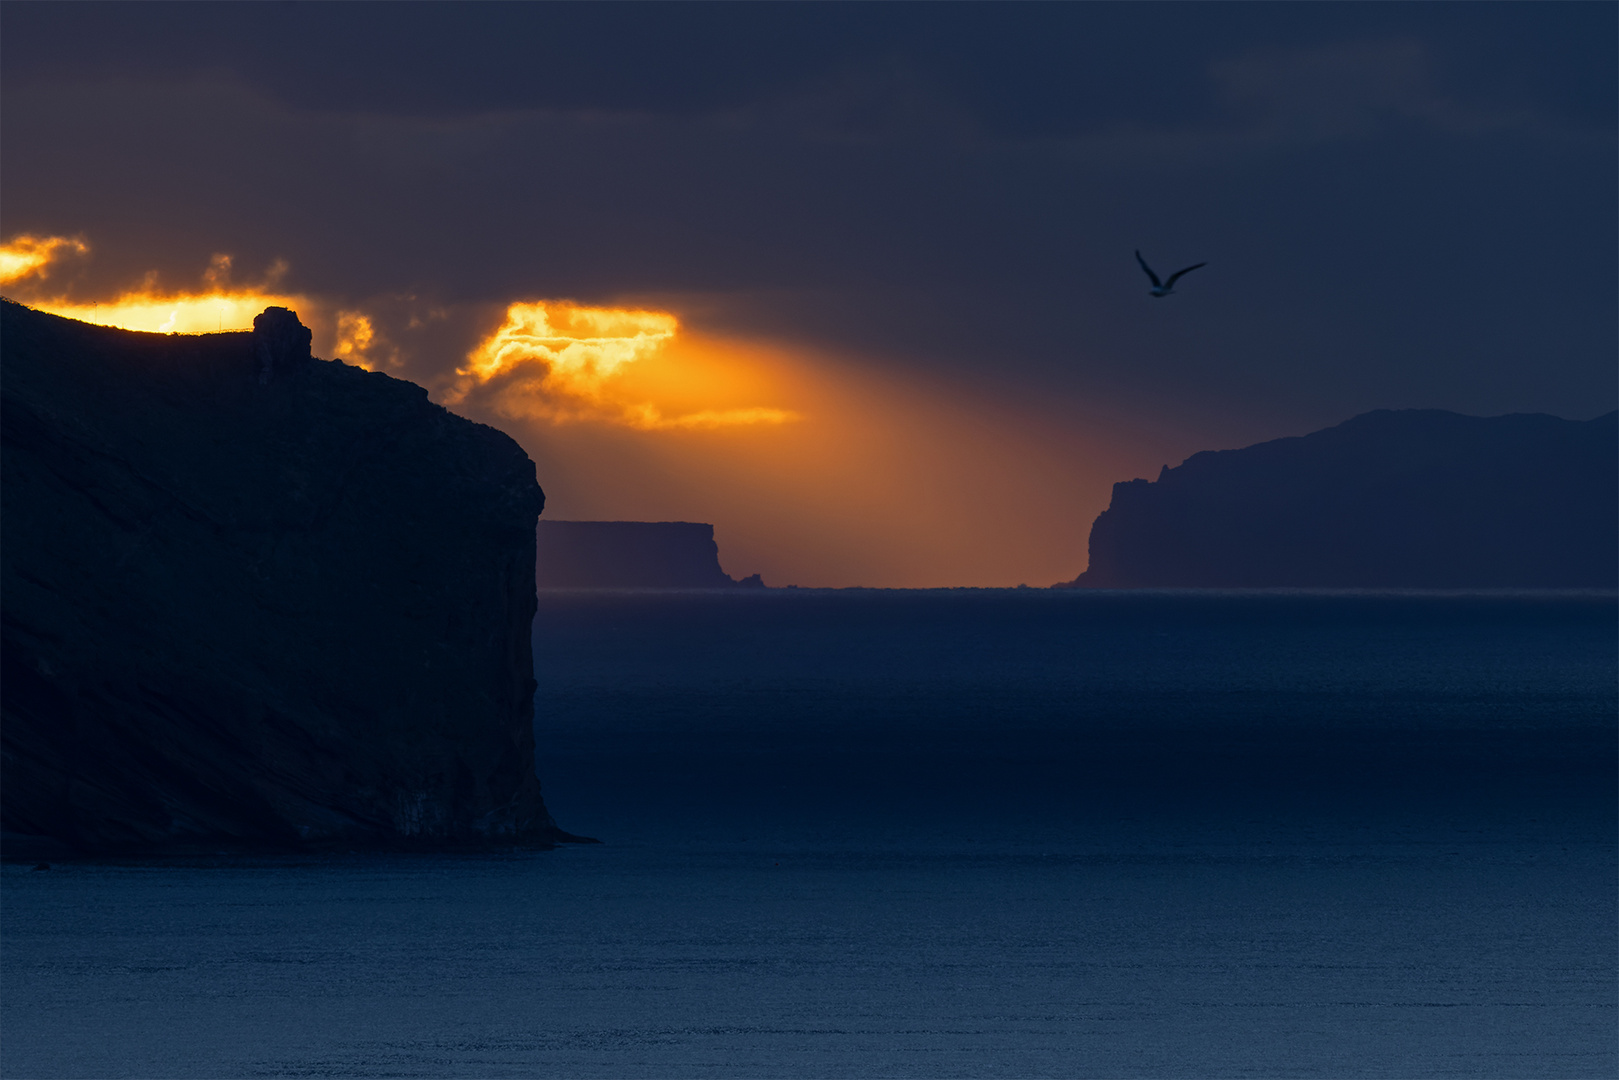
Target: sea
point(951, 833)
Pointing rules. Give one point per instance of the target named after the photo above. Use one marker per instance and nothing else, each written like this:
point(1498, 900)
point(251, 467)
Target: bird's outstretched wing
point(1155, 282)
point(1173, 277)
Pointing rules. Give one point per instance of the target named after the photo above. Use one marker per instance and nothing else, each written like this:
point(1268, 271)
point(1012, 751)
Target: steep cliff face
point(1418, 498)
point(253, 598)
point(630, 554)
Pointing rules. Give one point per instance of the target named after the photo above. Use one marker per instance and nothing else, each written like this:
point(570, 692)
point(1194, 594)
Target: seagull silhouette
point(1164, 288)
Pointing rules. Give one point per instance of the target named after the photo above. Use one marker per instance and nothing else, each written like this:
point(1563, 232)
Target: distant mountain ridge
point(1419, 498)
point(630, 554)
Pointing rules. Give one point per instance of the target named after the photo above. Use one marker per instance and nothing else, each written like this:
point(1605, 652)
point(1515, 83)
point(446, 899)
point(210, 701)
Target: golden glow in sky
point(813, 469)
point(885, 480)
point(559, 361)
point(217, 306)
point(176, 313)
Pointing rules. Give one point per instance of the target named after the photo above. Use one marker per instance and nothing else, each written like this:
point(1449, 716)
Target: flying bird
point(1164, 288)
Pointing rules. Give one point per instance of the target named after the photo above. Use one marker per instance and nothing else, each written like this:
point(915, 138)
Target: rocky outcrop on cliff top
point(256, 599)
point(1417, 498)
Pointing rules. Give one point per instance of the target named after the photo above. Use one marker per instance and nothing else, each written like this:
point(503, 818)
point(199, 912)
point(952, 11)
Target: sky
point(855, 283)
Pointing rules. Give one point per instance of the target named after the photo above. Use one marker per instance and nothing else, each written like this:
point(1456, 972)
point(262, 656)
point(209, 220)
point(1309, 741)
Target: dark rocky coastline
point(255, 600)
point(1408, 499)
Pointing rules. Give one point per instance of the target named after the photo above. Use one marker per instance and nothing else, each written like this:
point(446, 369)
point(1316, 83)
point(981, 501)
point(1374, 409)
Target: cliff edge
point(254, 599)
point(1413, 499)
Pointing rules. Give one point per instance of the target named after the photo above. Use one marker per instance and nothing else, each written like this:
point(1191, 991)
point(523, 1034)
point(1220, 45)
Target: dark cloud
point(1021, 70)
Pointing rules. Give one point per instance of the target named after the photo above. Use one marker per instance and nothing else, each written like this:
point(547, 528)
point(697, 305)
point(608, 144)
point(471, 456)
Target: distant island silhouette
point(1389, 499)
point(630, 554)
point(256, 600)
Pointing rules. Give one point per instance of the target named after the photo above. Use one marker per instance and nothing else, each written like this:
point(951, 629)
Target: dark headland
point(1408, 499)
point(256, 600)
point(631, 554)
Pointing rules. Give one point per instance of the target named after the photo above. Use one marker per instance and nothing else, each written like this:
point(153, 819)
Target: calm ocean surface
point(957, 833)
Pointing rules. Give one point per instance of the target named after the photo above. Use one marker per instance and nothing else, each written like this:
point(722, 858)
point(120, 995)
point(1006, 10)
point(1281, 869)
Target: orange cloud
point(359, 342)
point(30, 256)
point(558, 361)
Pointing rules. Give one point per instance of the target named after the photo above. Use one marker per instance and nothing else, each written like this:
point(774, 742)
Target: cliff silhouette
point(631, 554)
point(253, 599)
point(1389, 499)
